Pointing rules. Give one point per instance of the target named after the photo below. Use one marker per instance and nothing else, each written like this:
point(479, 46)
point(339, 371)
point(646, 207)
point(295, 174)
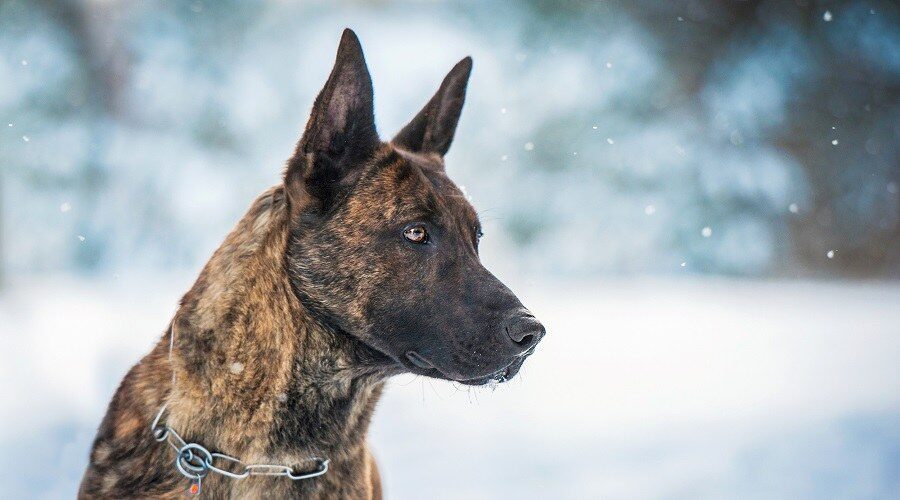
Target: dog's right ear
point(340, 135)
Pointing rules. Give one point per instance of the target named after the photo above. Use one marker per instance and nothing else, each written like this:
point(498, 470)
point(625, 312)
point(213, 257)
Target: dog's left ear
point(432, 130)
point(340, 135)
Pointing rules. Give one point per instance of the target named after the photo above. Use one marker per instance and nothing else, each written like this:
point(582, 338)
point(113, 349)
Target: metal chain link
point(194, 461)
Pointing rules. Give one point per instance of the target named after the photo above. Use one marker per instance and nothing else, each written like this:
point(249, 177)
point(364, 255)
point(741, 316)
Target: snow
point(642, 389)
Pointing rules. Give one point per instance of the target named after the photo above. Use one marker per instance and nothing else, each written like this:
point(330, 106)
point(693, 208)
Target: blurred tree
point(747, 137)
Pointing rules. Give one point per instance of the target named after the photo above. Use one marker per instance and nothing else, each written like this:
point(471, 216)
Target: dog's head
point(385, 245)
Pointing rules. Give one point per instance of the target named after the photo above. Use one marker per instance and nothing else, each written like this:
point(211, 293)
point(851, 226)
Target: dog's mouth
point(504, 374)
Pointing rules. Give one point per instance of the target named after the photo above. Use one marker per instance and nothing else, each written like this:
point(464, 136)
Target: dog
point(362, 264)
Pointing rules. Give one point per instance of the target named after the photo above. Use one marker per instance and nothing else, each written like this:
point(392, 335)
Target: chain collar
point(194, 461)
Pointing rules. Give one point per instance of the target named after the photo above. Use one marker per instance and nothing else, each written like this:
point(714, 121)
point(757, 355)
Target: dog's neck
point(256, 375)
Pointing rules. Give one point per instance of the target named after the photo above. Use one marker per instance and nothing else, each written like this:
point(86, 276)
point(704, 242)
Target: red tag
point(194, 489)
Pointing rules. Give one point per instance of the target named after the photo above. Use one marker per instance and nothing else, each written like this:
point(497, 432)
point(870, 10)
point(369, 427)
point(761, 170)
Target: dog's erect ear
point(340, 135)
point(432, 130)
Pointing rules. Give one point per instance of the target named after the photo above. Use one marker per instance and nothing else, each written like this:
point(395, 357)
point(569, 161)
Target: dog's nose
point(524, 330)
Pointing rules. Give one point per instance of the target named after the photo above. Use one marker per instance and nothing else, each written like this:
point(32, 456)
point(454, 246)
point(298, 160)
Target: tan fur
point(240, 310)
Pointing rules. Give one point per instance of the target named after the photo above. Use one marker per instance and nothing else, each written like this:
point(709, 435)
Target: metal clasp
point(321, 469)
point(193, 461)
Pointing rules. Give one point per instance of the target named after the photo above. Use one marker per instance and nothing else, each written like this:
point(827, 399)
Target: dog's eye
point(416, 234)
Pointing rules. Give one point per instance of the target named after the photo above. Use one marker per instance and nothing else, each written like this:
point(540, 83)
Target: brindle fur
point(282, 345)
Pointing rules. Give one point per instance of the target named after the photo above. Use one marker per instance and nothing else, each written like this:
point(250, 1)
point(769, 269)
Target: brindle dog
point(363, 264)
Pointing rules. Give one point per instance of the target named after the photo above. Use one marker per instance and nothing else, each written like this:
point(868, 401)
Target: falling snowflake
point(827, 16)
point(236, 367)
point(834, 142)
point(80, 237)
point(683, 264)
point(609, 65)
point(502, 111)
point(65, 207)
point(24, 62)
point(649, 210)
point(504, 157)
point(706, 232)
point(609, 140)
point(529, 146)
point(793, 208)
point(830, 254)
point(26, 138)
point(594, 127)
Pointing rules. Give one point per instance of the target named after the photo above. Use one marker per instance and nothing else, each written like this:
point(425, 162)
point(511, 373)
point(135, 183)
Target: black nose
point(524, 330)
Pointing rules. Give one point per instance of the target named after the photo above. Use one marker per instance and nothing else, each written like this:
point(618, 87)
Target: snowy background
point(700, 200)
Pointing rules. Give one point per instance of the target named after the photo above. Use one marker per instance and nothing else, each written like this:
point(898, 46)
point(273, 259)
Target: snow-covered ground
point(642, 389)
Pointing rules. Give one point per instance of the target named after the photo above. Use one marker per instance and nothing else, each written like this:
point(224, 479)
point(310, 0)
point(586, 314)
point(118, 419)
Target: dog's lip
point(418, 360)
point(501, 375)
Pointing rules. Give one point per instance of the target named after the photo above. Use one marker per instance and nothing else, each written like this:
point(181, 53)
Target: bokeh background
point(699, 198)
